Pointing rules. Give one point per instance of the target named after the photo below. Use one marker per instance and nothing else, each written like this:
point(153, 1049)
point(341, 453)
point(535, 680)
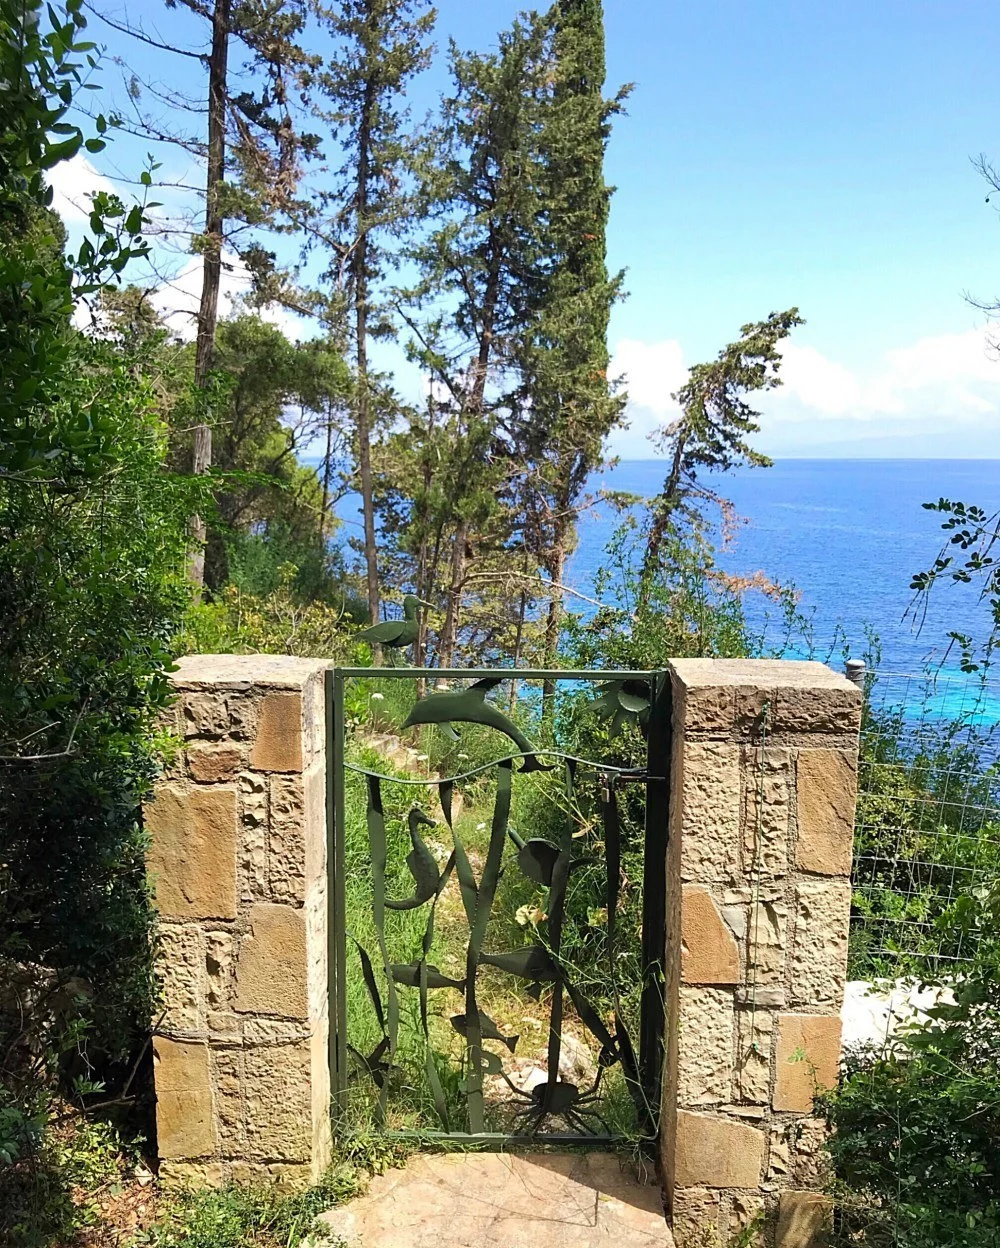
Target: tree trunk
point(474, 408)
point(449, 634)
point(327, 470)
point(208, 307)
point(362, 408)
point(662, 510)
point(553, 621)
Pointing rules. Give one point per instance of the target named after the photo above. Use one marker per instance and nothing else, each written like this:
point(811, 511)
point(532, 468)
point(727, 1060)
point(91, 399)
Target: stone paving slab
point(498, 1200)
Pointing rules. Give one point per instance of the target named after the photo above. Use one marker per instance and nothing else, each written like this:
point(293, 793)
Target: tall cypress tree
point(570, 407)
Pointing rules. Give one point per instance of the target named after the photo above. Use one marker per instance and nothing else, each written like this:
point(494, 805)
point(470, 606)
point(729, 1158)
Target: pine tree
point(252, 148)
point(384, 43)
point(711, 435)
point(570, 407)
point(476, 267)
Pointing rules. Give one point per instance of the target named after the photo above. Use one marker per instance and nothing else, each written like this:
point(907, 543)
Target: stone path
point(498, 1200)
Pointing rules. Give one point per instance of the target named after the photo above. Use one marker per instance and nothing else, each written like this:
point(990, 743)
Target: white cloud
point(940, 382)
point(73, 182)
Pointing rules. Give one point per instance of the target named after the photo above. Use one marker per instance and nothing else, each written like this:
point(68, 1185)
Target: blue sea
point(847, 533)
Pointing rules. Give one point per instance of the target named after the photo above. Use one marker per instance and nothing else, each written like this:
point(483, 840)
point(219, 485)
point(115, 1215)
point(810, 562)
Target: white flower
point(378, 697)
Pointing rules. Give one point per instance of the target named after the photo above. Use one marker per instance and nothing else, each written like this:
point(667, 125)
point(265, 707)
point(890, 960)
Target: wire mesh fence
point(928, 820)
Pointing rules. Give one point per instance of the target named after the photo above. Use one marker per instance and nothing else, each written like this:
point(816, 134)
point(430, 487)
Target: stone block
point(705, 1063)
point(767, 933)
point(710, 812)
point(209, 764)
point(819, 950)
point(746, 1220)
point(767, 786)
point(754, 1029)
point(185, 1119)
point(219, 968)
point(278, 745)
point(319, 1080)
point(252, 866)
point(277, 1103)
point(315, 797)
point(175, 1175)
point(808, 1056)
point(205, 715)
point(709, 953)
point(244, 711)
point(287, 839)
point(712, 1151)
point(811, 1163)
point(192, 855)
point(804, 1220)
point(810, 708)
point(272, 966)
point(180, 966)
point(762, 998)
point(826, 786)
point(695, 1216)
point(229, 1097)
point(707, 710)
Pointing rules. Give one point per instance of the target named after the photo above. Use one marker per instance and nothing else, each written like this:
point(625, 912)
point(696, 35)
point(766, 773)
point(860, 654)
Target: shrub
point(915, 1125)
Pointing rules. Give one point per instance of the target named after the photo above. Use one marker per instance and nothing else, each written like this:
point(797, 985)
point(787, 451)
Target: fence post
point(237, 859)
point(763, 784)
point(856, 672)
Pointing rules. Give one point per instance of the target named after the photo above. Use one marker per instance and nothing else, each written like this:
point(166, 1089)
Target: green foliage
point(967, 557)
point(49, 1193)
point(688, 610)
point(91, 543)
point(712, 433)
point(280, 622)
point(915, 1125)
point(257, 561)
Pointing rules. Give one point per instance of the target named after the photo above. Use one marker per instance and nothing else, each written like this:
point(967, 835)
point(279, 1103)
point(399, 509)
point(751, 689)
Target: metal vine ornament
point(540, 965)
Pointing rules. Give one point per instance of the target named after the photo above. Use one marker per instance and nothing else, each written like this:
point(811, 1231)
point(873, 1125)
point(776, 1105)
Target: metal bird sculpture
point(470, 706)
point(397, 634)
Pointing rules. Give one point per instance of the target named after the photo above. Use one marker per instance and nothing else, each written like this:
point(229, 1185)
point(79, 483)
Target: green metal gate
point(407, 1033)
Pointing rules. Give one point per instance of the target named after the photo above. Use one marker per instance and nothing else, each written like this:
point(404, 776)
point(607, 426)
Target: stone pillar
point(237, 859)
point(763, 783)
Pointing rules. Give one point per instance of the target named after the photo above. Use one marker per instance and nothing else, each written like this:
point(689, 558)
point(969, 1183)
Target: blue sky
point(777, 154)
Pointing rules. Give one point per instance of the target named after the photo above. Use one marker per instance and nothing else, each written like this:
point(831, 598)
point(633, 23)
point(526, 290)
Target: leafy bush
point(91, 557)
point(275, 623)
point(915, 1126)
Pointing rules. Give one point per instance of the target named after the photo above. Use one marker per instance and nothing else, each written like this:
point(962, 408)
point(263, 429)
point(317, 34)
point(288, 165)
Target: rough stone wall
point(237, 860)
point(763, 783)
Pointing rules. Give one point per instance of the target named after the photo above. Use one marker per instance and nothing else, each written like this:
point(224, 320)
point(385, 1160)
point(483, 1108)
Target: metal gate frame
point(654, 900)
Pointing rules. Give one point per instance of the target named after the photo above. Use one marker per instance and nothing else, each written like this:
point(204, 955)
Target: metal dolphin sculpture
point(470, 706)
point(408, 973)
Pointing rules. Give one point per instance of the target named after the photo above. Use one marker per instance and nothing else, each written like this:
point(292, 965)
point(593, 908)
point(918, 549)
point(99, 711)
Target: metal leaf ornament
point(422, 865)
point(470, 706)
point(396, 635)
point(623, 702)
